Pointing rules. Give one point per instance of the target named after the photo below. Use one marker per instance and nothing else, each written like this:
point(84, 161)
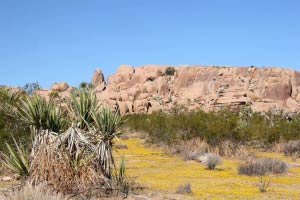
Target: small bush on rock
point(170, 71)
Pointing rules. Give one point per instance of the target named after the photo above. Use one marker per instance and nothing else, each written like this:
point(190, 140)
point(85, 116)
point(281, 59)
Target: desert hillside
point(147, 88)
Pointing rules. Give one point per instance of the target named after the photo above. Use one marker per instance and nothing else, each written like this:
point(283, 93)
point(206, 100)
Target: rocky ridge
point(148, 88)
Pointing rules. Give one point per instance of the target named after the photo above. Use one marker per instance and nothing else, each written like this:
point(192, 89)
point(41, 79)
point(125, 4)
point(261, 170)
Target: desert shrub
point(85, 85)
point(292, 148)
point(54, 94)
point(159, 126)
point(170, 71)
point(259, 129)
point(191, 155)
point(262, 167)
point(211, 160)
point(192, 149)
point(30, 192)
point(184, 189)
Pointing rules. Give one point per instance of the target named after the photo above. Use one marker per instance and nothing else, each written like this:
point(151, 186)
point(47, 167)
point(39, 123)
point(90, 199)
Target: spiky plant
point(41, 114)
point(120, 178)
point(74, 141)
point(33, 111)
point(9, 96)
point(106, 125)
point(9, 100)
point(16, 159)
point(56, 120)
point(83, 103)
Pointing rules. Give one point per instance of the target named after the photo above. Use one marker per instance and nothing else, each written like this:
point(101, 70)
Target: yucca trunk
point(104, 158)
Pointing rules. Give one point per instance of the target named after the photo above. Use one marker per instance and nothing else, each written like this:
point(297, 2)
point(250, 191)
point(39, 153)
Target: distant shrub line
point(214, 127)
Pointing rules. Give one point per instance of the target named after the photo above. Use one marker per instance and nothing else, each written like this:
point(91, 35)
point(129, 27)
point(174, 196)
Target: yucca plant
point(56, 117)
point(41, 114)
point(106, 125)
point(9, 96)
point(9, 100)
point(74, 141)
point(33, 111)
point(81, 158)
point(121, 181)
point(16, 159)
point(83, 103)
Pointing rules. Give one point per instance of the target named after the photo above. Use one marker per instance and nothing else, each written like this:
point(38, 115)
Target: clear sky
point(65, 40)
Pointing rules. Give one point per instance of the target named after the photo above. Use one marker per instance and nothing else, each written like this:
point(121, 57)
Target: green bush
point(170, 71)
point(9, 126)
point(215, 127)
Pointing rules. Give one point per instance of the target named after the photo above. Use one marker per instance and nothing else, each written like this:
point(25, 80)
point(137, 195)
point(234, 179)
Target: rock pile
point(148, 88)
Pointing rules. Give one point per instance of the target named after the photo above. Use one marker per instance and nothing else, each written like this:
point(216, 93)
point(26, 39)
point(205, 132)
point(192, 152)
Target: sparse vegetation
point(262, 167)
point(157, 170)
point(170, 71)
point(54, 94)
point(72, 149)
point(292, 148)
point(121, 180)
point(29, 192)
point(210, 160)
point(184, 189)
point(85, 85)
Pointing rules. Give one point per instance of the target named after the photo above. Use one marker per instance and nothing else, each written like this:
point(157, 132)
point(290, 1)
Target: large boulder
point(122, 76)
point(98, 78)
point(59, 87)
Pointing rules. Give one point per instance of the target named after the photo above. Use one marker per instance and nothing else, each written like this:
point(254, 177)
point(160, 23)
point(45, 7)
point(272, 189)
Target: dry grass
point(29, 192)
point(59, 171)
point(184, 189)
point(195, 148)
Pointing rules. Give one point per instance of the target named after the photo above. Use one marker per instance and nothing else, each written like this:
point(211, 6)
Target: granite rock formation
point(149, 88)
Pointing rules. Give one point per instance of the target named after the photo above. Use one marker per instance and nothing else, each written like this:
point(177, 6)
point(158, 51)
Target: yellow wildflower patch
point(157, 170)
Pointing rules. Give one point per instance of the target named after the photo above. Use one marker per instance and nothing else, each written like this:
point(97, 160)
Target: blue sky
point(61, 40)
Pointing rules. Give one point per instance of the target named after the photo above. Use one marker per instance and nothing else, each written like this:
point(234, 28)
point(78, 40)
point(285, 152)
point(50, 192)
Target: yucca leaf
point(16, 159)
